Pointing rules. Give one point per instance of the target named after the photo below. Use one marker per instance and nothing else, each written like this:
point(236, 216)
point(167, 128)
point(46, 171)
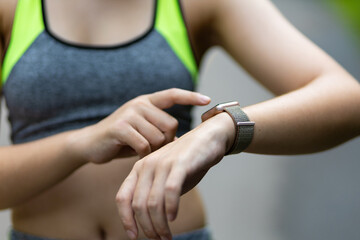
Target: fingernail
point(164, 238)
point(131, 234)
point(204, 99)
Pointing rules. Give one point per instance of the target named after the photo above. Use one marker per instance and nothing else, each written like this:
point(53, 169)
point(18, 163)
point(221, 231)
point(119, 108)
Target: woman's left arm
point(317, 108)
point(319, 103)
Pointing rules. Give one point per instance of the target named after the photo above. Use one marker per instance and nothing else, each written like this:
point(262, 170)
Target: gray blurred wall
point(254, 197)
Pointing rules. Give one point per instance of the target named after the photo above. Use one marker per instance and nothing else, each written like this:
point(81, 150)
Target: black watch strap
point(244, 129)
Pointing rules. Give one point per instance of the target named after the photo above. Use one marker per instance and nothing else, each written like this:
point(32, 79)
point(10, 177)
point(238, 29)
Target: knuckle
point(154, 94)
point(164, 166)
point(146, 163)
point(121, 124)
point(170, 125)
point(138, 98)
point(160, 140)
point(173, 123)
point(149, 164)
point(139, 102)
point(142, 103)
point(131, 114)
point(138, 207)
point(175, 90)
point(138, 165)
point(121, 198)
point(172, 90)
point(172, 188)
point(127, 222)
point(144, 147)
point(153, 204)
point(174, 93)
point(124, 195)
point(120, 128)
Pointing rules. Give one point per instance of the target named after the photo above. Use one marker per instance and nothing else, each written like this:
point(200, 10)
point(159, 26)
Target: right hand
point(138, 127)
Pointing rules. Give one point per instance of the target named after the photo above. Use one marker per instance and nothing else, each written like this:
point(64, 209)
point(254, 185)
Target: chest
point(56, 85)
point(95, 22)
point(52, 78)
point(109, 22)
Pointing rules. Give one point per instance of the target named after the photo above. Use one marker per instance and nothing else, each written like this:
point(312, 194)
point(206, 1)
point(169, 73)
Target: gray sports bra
point(51, 86)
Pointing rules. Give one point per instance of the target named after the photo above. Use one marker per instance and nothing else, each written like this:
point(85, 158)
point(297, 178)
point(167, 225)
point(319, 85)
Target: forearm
point(321, 106)
point(136, 128)
point(28, 169)
point(309, 119)
point(319, 116)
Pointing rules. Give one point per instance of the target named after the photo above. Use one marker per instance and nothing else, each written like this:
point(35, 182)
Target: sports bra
point(51, 85)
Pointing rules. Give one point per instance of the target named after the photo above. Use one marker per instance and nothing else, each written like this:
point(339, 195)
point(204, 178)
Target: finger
point(124, 199)
point(153, 135)
point(163, 121)
point(139, 203)
point(167, 98)
point(173, 187)
point(156, 203)
point(129, 136)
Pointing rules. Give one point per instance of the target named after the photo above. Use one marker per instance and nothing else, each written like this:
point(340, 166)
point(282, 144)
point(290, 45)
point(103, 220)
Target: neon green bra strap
point(170, 23)
point(28, 24)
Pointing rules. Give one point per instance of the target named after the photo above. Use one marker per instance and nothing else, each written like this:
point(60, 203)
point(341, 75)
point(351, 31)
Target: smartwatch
point(244, 127)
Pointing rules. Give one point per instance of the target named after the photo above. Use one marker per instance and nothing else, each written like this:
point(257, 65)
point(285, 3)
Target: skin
point(56, 186)
point(312, 88)
point(317, 100)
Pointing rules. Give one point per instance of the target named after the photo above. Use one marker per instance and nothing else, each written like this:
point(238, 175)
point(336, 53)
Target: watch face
point(217, 109)
point(220, 107)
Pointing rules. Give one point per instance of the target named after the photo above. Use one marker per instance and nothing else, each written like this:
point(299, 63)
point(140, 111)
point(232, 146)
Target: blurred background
point(254, 197)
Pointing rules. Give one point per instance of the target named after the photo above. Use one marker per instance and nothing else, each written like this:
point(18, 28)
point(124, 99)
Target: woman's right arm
point(140, 126)
point(28, 169)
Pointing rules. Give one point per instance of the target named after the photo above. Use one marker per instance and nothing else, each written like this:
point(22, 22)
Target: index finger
point(168, 98)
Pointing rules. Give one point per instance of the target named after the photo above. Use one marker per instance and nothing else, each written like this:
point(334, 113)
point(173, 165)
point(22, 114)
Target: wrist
point(76, 145)
point(223, 131)
point(244, 128)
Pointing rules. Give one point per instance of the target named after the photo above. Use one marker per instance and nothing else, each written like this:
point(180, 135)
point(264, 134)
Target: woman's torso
point(83, 205)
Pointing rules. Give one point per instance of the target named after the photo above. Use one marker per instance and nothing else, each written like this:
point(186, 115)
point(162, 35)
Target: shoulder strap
point(170, 23)
point(28, 24)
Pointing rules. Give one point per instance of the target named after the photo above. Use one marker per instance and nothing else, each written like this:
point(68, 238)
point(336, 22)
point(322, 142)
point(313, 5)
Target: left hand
point(152, 190)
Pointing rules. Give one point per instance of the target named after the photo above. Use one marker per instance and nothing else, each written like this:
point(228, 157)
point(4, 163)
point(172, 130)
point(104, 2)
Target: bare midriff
point(83, 206)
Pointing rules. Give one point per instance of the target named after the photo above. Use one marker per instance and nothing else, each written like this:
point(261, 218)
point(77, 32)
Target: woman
point(66, 68)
